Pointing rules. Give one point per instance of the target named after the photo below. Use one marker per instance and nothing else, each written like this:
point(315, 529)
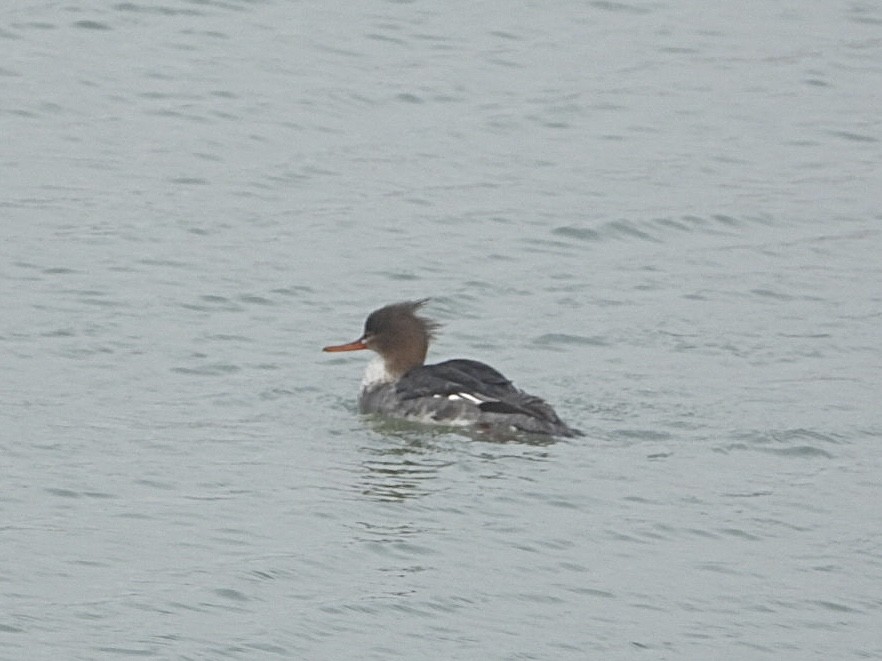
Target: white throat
point(375, 374)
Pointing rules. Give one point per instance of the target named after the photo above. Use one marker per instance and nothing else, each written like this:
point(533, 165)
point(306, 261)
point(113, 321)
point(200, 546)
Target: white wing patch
point(459, 396)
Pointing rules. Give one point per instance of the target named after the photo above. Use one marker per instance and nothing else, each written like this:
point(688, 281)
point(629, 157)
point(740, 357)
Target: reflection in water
point(398, 479)
point(401, 471)
point(410, 456)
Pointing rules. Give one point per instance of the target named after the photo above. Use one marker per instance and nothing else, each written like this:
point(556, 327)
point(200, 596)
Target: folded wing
point(474, 381)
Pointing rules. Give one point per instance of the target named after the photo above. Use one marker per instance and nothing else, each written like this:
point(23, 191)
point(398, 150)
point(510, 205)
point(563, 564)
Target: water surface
point(663, 219)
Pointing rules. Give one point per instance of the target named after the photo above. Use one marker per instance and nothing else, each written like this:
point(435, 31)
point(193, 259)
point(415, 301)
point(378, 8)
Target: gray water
point(664, 217)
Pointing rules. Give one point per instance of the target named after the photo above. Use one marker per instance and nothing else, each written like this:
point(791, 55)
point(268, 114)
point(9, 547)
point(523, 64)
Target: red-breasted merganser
point(455, 392)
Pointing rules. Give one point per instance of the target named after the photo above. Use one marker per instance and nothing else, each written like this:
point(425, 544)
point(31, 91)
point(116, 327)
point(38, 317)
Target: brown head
point(398, 334)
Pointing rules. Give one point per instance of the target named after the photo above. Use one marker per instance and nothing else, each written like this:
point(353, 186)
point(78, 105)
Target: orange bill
point(352, 346)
